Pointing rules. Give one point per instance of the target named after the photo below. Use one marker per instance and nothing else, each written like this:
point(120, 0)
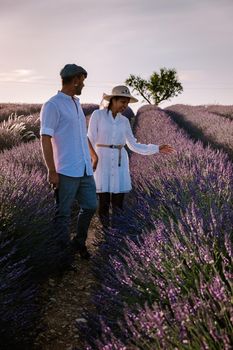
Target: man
point(69, 157)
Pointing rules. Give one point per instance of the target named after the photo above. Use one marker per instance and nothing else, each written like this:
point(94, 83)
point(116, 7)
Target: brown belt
point(119, 147)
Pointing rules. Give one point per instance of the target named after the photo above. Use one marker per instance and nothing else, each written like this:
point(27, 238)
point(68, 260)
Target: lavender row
point(165, 274)
point(205, 124)
point(221, 110)
point(30, 249)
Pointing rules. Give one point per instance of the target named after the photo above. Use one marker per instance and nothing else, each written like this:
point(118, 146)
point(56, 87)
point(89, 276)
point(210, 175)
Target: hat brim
point(131, 98)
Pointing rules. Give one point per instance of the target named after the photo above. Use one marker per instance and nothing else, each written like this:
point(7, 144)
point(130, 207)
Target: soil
point(64, 299)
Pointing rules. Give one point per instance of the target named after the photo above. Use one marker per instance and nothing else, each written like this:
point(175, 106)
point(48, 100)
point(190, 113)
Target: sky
point(113, 39)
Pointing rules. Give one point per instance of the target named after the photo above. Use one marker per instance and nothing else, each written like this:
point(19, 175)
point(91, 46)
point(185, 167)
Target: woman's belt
point(119, 147)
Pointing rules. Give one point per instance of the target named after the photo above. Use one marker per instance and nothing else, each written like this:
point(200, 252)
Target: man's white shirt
point(63, 119)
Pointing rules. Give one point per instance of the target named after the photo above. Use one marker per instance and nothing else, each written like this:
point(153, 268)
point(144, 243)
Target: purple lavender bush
point(204, 124)
point(19, 309)
point(165, 274)
point(35, 250)
point(26, 155)
point(27, 204)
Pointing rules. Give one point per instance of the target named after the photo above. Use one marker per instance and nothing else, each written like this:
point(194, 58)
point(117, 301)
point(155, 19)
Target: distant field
point(6, 109)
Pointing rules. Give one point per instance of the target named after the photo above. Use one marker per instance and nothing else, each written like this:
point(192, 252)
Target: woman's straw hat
point(121, 91)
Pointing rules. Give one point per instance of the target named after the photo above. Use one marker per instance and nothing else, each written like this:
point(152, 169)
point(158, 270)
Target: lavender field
point(211, 124)
point(164, 276)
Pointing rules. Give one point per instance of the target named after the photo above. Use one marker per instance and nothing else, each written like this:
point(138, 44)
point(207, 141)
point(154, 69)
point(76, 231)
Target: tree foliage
point(159, 87)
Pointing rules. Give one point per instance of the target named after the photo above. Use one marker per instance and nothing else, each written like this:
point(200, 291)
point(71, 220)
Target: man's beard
point(78, 91)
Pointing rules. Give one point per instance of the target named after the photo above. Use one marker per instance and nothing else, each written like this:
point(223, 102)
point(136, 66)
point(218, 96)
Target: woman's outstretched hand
point(166, 149)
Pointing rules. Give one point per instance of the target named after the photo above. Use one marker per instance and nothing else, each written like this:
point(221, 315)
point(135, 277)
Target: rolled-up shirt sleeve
point(93, 128)
point(49, 119)
point(137, 147)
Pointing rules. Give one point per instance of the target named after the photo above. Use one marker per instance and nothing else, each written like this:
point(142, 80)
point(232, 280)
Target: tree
point(159, 87)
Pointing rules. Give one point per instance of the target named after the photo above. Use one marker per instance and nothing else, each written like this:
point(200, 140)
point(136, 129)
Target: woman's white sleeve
point(140, 148)
point(93, 128)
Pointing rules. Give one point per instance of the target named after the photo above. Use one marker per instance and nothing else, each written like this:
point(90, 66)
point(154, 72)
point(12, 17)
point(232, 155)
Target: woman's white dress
point(105, 129)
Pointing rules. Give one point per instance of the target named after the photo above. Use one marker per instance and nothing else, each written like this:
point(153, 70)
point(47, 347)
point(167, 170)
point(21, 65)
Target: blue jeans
point(83, 190)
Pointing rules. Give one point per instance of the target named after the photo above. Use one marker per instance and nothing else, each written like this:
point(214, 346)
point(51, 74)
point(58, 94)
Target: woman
point(109, 131)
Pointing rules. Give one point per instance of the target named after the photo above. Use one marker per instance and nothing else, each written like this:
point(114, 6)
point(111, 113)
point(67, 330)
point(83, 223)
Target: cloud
point(20, 75)
point(188, 75)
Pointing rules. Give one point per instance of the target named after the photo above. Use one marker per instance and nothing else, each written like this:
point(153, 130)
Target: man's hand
point(166, 149)
point(53, 178)
point(94, 157)
point(94, 160)
point(47, 149)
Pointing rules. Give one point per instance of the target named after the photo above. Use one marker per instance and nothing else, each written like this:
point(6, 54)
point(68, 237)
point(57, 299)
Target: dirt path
point(65, 298)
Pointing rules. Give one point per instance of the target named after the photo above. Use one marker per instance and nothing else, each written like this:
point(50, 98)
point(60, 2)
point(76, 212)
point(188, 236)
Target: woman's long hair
point(110, 102)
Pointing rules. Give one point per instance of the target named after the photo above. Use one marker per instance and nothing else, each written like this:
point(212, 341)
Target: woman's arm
point(140, 148)
point(137, 147)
